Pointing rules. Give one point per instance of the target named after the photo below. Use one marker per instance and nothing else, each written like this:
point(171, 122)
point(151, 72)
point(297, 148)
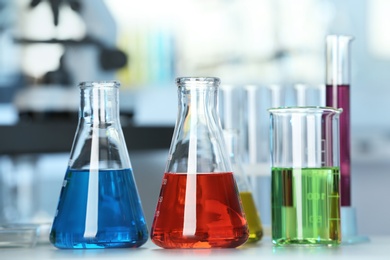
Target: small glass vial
point(199, 205)
point(249, 206)
point(99, 205)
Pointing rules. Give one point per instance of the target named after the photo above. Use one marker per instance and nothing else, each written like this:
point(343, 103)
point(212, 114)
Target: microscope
point(94, 57)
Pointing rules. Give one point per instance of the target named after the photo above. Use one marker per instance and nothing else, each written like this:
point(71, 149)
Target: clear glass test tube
point(338, 96)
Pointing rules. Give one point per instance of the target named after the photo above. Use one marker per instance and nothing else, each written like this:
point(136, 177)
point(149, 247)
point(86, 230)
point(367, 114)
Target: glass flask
point(338, 96)
point(99, 205)
point(246, 195)
point(199, 205)
point(305, 175)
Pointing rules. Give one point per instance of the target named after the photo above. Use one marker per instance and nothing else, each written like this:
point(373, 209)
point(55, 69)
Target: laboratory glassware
point(304, 144)
point(338, 96)
point(99, 205)
point(244, 188)
point(244, 125)
point(199, 205)
point(309, 95)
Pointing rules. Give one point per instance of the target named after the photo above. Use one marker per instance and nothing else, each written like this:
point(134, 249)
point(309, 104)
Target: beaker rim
point(203, 80)
point(340, 36)
point(99, 84)
point(305, 109)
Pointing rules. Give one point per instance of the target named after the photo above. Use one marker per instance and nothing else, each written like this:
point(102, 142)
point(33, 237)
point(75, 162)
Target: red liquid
point(343, 101)
point(220, 221)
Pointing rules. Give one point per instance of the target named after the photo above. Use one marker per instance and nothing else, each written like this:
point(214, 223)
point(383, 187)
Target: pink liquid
point(220, 221)
point(343, 101)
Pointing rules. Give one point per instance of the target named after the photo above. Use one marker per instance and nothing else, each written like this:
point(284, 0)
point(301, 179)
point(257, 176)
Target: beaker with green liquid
point(304, 147)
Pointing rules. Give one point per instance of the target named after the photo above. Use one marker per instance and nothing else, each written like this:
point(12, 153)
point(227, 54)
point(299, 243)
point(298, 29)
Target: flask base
point(349, 230)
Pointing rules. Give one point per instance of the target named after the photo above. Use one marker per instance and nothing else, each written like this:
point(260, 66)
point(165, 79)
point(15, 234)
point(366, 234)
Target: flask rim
point(99, 84)
point(198, 80)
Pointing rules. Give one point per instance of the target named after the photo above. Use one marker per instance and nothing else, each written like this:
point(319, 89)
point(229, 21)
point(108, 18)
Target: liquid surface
point(252, 217)
point(306, 206)
point(118, 221)
point(218, 218)
point(343, 101)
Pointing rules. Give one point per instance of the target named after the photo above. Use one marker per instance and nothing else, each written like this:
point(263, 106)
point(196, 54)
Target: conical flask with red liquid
point(99, 205)
point(199, 204)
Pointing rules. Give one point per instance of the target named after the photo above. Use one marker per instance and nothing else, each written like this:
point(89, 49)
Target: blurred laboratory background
point(266, 52)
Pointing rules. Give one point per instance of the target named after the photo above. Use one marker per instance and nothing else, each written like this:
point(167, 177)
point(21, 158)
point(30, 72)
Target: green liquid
point(306, 206)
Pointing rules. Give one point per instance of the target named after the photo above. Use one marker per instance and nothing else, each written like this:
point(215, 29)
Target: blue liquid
point(120, 221)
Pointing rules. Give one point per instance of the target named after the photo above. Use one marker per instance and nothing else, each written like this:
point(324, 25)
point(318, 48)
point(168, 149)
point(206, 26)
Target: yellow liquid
point(252, 217)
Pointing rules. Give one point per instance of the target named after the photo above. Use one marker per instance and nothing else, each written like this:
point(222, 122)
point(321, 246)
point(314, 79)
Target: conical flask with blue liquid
point(99, 204)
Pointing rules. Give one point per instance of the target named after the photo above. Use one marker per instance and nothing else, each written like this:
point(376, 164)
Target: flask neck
point(197, 144)
point(99, 103)
point(198, 101)
point(198, 96)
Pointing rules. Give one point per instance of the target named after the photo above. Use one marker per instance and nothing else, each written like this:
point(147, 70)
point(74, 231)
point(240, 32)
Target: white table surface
point(378, 247)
